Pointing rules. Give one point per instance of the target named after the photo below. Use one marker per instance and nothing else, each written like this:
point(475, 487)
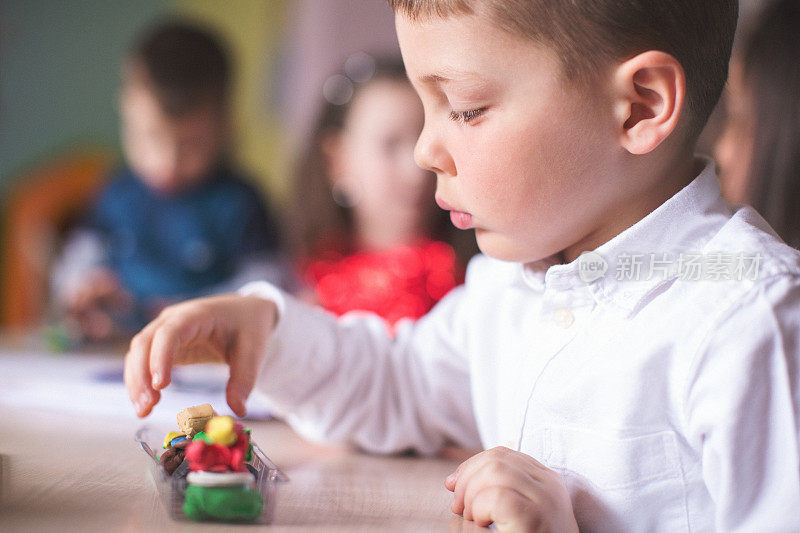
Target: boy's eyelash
point(465, 116)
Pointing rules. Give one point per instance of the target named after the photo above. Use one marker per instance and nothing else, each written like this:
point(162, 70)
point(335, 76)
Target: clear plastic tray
point(172, 489)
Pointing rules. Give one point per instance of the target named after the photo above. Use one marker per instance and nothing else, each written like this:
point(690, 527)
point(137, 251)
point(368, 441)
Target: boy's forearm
point(346, 381)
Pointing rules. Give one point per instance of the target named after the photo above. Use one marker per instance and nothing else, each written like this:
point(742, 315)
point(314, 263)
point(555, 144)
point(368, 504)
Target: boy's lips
point(460, 219)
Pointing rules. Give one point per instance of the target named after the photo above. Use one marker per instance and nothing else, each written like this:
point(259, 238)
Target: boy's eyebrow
point(447, 76)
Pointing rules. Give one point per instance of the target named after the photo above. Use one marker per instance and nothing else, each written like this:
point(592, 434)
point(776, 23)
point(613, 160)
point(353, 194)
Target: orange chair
point(37, 211)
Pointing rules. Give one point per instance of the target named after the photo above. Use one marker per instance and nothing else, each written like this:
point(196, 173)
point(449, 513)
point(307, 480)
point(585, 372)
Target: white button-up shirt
point(658, 374)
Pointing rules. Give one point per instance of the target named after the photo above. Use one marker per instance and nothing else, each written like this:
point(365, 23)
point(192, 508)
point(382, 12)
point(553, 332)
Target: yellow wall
point(253, 29)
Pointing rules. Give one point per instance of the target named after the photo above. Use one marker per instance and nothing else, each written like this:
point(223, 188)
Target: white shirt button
point(563, 317)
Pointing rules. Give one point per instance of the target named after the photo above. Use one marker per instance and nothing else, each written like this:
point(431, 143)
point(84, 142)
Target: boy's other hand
point(228, 328)
point(101, 285)
point(95, 303)
point(512, 490)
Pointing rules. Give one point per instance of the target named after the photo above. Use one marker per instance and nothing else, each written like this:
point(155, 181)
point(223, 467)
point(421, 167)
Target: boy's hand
point(228, 328)
point(90, 305)
point(513, 490)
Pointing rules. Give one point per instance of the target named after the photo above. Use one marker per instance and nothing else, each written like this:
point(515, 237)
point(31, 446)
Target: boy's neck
point(672, 181)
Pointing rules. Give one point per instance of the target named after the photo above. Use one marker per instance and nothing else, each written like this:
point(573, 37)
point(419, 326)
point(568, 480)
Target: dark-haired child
point(177, 221)
point(759, 150)
point(628, 348)
point(367, 233)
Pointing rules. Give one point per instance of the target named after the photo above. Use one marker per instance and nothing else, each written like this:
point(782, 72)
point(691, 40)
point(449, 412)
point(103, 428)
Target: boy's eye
point(465, 116)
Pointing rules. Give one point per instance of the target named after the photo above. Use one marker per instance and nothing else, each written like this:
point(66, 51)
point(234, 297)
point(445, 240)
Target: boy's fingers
point(461, 476)
point(498, 455)
point(450, 482)
point(137, 374)
point(505, 507)
point(174, 342)
point(242, 377)
point(498, 474)
point(237, 398)
point(167, 340)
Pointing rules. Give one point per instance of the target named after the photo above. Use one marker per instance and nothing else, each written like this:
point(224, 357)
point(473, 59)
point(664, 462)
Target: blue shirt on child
point(180, 245)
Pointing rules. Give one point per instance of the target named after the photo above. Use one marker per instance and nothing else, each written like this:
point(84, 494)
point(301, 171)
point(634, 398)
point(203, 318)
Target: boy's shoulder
point(751, 277)
point(121, 189)
point(747, 236)
point(744, 327)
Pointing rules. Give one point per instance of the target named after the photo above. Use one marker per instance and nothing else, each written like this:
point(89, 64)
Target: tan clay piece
point(193, 419)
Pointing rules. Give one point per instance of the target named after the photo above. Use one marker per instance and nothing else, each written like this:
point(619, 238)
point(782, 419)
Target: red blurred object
point(218, 458)
point(402, 282)
point(208, 457)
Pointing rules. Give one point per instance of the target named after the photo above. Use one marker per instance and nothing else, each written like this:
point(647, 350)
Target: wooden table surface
point(84, 472)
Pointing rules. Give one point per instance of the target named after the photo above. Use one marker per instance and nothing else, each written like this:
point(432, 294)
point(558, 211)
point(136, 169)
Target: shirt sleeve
point(84, 251)
point(742, 410)
point(345, 380)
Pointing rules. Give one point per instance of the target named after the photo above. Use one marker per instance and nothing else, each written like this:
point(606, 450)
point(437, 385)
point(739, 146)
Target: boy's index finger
point(243, 371)
point(168, 339)
point(137, 373)
point(463, 471)
point(452, 479)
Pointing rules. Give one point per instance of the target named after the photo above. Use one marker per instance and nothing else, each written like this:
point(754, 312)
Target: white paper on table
point(92, 384)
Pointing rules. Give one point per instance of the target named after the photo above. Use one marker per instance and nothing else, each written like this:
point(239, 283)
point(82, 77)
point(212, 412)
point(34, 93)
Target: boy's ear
point(650, 93)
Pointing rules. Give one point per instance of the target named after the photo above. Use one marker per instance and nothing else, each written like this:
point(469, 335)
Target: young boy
point(178, 221)
point(648, 385)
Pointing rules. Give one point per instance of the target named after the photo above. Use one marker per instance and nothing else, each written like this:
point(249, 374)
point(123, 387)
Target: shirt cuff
point(283, 372)
point(266, 291)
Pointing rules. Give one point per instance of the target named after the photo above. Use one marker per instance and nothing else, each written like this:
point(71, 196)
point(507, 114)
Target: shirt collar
point(681, 225)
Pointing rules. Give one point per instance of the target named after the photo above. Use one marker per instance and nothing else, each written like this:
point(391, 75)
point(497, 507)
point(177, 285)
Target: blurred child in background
point(759, 151)
point(367, 232)
point(176, 221)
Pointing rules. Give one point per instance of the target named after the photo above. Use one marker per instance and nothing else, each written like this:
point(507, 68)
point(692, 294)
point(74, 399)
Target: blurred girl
point(759, 151)
point(367, 232)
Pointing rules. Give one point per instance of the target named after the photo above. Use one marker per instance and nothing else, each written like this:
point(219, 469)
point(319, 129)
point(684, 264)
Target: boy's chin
point(503, 248)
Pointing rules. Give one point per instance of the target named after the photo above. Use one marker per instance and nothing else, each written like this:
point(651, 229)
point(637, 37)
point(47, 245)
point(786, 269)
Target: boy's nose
point(430, 153)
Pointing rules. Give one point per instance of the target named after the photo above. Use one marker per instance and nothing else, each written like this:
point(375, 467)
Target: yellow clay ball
point(220, 430)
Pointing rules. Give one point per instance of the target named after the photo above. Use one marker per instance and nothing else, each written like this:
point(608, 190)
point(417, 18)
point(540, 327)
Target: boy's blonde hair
point(591, 34)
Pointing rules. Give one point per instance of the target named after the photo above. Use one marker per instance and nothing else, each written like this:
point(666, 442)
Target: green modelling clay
point(222, 503)
point(201, 435)
point(249, 456)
